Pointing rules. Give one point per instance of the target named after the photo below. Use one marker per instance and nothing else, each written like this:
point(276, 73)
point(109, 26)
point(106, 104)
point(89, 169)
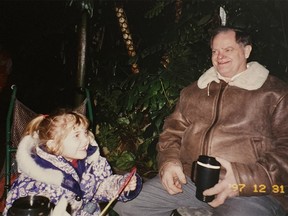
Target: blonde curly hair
point(56, 127)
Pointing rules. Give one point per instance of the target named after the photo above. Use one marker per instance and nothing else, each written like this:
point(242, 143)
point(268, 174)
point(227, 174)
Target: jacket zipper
point(207, 135)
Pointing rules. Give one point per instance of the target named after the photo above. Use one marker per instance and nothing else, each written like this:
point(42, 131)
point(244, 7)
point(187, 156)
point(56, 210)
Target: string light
point(127, 37)
point(178, 9)
point(178, 12)
point(165, 60)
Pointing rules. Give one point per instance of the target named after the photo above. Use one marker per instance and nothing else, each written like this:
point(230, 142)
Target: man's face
point(228, 57)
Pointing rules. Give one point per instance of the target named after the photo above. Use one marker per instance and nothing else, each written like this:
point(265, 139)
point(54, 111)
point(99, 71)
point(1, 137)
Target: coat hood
point(28, 166)
point(250, 79)
point(27, 157)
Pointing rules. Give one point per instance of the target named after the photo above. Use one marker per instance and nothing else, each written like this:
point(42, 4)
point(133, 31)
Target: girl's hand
point(132, 184)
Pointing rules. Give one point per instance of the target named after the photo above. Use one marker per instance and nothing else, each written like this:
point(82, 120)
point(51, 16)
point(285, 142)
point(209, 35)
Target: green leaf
point(125, 161)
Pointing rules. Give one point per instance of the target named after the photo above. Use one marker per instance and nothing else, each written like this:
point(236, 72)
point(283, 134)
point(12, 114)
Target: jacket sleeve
point(170, 139)
point(269, 175)
point(109, 187)
point(100, 184)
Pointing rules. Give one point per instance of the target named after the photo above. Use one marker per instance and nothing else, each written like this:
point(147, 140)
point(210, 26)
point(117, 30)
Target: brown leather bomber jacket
point(246, 125)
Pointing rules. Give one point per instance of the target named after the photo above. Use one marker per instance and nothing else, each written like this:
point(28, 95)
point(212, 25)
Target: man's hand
point(172, 178)
point(223, 189)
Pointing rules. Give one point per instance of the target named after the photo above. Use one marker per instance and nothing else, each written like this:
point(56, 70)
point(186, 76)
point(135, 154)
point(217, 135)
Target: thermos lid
point(209, 162)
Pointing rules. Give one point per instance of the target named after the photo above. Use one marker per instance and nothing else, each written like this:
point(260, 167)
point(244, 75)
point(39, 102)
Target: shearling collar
point(251, 79)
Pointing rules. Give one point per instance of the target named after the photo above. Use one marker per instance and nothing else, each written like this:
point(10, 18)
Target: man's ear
point(247, 51)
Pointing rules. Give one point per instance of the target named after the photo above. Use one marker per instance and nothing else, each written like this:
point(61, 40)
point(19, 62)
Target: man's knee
point(124, 208)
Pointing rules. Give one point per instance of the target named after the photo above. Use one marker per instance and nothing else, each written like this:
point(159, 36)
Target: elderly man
point(237, 113)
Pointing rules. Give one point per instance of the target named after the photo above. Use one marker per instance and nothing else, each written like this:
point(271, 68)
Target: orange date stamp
point(261, 188)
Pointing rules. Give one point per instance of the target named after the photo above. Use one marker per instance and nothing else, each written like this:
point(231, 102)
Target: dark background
point(41, 38)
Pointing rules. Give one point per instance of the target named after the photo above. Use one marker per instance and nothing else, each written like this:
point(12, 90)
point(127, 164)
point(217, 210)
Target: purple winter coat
point(53, 176)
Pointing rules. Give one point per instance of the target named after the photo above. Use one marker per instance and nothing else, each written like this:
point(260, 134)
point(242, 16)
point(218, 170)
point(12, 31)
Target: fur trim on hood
point(27, 165)
point(251, 79)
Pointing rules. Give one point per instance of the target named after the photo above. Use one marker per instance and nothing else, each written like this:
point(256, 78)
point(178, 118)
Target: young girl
point(59, 158)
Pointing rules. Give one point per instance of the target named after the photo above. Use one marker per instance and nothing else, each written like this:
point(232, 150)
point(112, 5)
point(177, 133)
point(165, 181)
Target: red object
point(2, 191)
point(74, 163)
point(127, 180)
